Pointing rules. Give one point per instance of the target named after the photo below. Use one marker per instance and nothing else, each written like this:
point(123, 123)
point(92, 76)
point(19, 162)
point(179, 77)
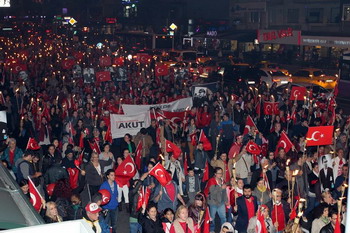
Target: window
point(315, 15)
point(346, 12)
point(335, 14)
point(293, 16)
point(254, 17)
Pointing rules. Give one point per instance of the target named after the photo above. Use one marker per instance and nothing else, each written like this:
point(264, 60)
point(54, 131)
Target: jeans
point(111, 218)
point(229, 215)
point(311, 204)
point(135, 227)
point(221, 210)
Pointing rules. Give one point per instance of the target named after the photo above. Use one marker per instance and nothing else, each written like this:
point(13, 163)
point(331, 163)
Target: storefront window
point(335, 13)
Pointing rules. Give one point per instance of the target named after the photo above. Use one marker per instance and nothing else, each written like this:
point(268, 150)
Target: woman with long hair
point(51, 214)
point(105, 155)
point(183, 223)
point(197, 210)
point(167, 219)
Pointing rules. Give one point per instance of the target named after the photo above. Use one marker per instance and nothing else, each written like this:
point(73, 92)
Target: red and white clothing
point(338, 166)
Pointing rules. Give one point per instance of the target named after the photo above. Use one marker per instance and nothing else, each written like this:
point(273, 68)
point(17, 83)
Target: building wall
point(305, 15)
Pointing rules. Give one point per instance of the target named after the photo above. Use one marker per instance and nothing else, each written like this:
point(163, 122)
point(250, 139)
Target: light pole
point(173, 27)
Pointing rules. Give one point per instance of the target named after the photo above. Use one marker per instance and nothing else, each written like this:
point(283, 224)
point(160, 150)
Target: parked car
point(314, 76)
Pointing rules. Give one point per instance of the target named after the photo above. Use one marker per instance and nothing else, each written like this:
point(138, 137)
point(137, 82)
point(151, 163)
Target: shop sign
point(341, 42)
point(212, 33)
point(281, 36)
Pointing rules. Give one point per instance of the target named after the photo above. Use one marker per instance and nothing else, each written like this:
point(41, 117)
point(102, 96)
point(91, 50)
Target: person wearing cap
point(68, 160)
point(91, 216)
point(226, 227)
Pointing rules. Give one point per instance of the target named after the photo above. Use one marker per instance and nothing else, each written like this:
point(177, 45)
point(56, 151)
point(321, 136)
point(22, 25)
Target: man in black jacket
point(330, 227)
point(246, 208)
point(274, 137)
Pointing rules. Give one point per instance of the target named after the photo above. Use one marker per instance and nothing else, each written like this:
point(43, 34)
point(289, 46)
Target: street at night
point(174, 116)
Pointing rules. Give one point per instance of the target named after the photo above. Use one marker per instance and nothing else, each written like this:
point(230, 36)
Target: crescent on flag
point(131, 165)
point(284, 144)
point(296, 93)
point(159, 70)
point(32, 196)
point(250, 148)
point(105, 199)
point(156, 173)
point(313, 136)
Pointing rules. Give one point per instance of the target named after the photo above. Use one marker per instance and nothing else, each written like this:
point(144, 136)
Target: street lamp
point(173, 27)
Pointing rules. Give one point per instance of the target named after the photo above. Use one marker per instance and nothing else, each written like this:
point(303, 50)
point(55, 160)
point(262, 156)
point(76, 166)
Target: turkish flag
point(284, 143)
point(206, 172)
point(35, 197)
point(81, 141)
point(161, 70)
point(249, 123)
point(118, 61)
point(103, 76)
point(297, 93)
point(125, 171)
point(19, 67)
point(159, 172)
point(95, 147)
point(73, 177)
point(105, 61)
point(253, 148)
point(68, 63)
point(143, 58)
point(138, 155)
point(260, 225)
point(78, 55)
point(172, 148)
point(79, 161)
point(206, 143)
point(108, 136)
point(32, 144)
point(11, 62)
point(147, 194)
point(193, 139)
point(271, 108)
point(140, 198)
point(320, 135)
point(206, 223)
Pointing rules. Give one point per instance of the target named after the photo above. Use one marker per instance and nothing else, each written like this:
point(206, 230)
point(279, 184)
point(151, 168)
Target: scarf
point(261, 189)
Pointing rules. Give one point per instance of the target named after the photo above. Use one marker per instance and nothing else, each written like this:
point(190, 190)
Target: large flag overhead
point(320, 135)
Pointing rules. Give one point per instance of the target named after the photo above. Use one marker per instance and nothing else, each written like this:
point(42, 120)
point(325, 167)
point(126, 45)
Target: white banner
point(175, 106)
point(131, 124)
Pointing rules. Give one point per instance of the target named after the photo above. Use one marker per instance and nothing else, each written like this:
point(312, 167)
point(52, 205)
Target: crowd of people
point(228, 187)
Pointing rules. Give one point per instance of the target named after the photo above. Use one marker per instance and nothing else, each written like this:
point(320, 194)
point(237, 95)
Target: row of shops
point(273, 44)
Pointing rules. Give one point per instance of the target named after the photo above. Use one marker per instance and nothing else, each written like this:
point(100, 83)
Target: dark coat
point(286, 208)
point(92, 177)
point(242, 211)
point(150, 226)
point(329, 228)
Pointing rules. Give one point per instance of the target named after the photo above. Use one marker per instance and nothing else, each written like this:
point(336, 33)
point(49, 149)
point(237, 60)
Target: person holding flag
point(261, 223)
point(166, 194)
point(112, 212)
point(200, 162)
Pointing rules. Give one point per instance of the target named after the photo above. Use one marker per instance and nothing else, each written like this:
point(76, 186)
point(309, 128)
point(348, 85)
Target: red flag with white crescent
point(67, 64)
point(297, 93)
point(206, 172)
point(284, 143)
point(103, 76)
point(32, 144)
point(73, 177)
point(172, 148)
point(159, 172)
point(161, 70)
point(35, 197)
point(138, 155)
point(320, 135)
point(206, 143)
point(253, 148)
point(125, 171)
point(249, 123)
point(105, 61)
